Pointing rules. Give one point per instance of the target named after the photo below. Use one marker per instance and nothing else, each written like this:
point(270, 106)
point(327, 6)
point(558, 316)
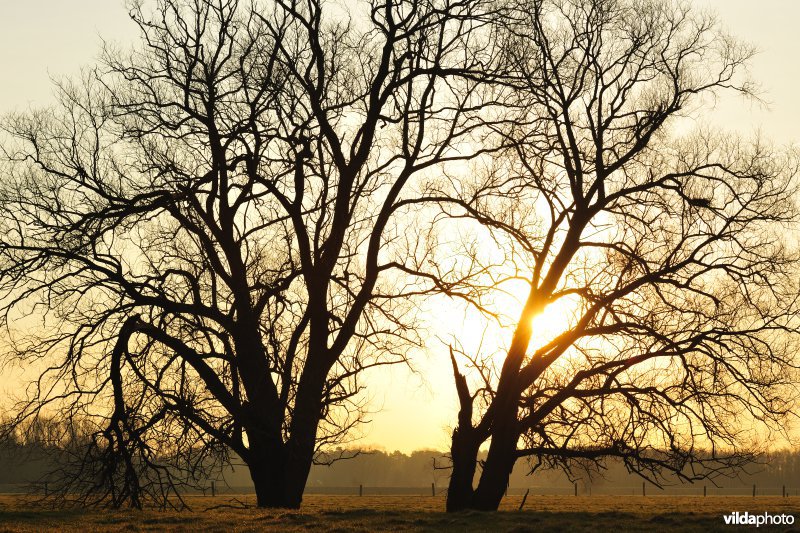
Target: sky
point(41, 40)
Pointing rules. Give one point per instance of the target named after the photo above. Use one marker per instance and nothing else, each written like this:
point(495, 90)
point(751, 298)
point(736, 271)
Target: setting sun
point(556, 318)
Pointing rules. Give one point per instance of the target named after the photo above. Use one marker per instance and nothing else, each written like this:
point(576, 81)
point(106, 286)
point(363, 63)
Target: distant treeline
point(381, 469)
point(29, 461)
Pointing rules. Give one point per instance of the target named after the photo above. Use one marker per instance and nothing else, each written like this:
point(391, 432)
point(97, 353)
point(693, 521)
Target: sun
point(558, 317)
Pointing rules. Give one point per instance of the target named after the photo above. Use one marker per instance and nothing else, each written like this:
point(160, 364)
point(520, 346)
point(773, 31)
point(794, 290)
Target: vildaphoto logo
point(749, 519)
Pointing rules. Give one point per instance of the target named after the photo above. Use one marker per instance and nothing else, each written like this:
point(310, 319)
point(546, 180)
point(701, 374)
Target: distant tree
point(207, 228)
point(671, 247)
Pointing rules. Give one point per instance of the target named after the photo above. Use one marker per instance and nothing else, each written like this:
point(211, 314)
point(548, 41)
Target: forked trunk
point(280, 470)
point(279, 479)
point(495, 473)
point(270, 484)
point(498, 466)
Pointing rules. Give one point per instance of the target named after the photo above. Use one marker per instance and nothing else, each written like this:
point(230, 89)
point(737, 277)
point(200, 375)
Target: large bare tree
point(206, 228)
point(667, 241)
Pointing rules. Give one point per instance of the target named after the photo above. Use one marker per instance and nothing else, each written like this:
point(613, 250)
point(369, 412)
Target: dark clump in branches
point(206, 226)
point(664, 248)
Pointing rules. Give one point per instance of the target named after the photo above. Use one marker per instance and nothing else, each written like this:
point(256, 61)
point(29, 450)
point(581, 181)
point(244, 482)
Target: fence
point(647, 489)
point(215, 488)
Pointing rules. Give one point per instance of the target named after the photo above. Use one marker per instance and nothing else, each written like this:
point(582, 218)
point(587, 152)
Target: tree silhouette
point(668, 245)
point(207, 226)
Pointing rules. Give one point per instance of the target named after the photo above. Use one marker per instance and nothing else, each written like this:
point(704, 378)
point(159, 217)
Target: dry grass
point(409, 513)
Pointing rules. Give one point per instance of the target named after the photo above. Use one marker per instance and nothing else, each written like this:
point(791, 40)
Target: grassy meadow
point(408, 513)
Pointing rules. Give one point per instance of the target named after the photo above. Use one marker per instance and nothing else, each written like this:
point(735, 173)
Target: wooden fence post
point(754, 490)
point(704, 491)
point(213, 489)
point(643, 491)
point(361, 490)
point(433, 489)
point(576, 488)
point(522, 504)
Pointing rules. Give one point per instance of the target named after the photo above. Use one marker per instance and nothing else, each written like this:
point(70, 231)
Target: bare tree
point(207, 227)
point(668, 245)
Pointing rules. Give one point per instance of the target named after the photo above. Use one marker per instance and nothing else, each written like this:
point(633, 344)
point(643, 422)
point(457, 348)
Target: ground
point(411, 513)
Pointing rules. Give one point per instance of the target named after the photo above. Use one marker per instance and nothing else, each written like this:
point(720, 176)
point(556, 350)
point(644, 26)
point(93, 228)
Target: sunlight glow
point(556, 318)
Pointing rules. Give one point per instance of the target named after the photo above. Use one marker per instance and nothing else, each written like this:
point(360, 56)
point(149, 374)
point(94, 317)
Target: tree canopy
point(208, 222)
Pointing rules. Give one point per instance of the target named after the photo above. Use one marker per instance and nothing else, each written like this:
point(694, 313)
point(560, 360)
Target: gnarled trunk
point(494, 474)
point(464, 454)
point(497, 468)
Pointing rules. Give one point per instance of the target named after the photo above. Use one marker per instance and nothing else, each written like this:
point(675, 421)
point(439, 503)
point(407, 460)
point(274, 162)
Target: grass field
point(412, 513)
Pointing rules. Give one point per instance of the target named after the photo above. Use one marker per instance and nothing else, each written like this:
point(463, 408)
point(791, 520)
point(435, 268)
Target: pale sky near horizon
point(40, 39)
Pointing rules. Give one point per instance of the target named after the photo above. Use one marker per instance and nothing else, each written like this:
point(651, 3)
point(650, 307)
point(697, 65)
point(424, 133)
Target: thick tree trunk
point(279, 473)
point(279, 470)
point(280, 477)
point(503, 428)
point(464, 454)
point(497, 468)
point(495, 472)
point(301, 446)
point(296, 475)
point(269, 480)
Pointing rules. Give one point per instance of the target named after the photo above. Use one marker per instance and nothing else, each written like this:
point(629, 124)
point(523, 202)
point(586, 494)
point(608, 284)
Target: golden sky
point(40, 39)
